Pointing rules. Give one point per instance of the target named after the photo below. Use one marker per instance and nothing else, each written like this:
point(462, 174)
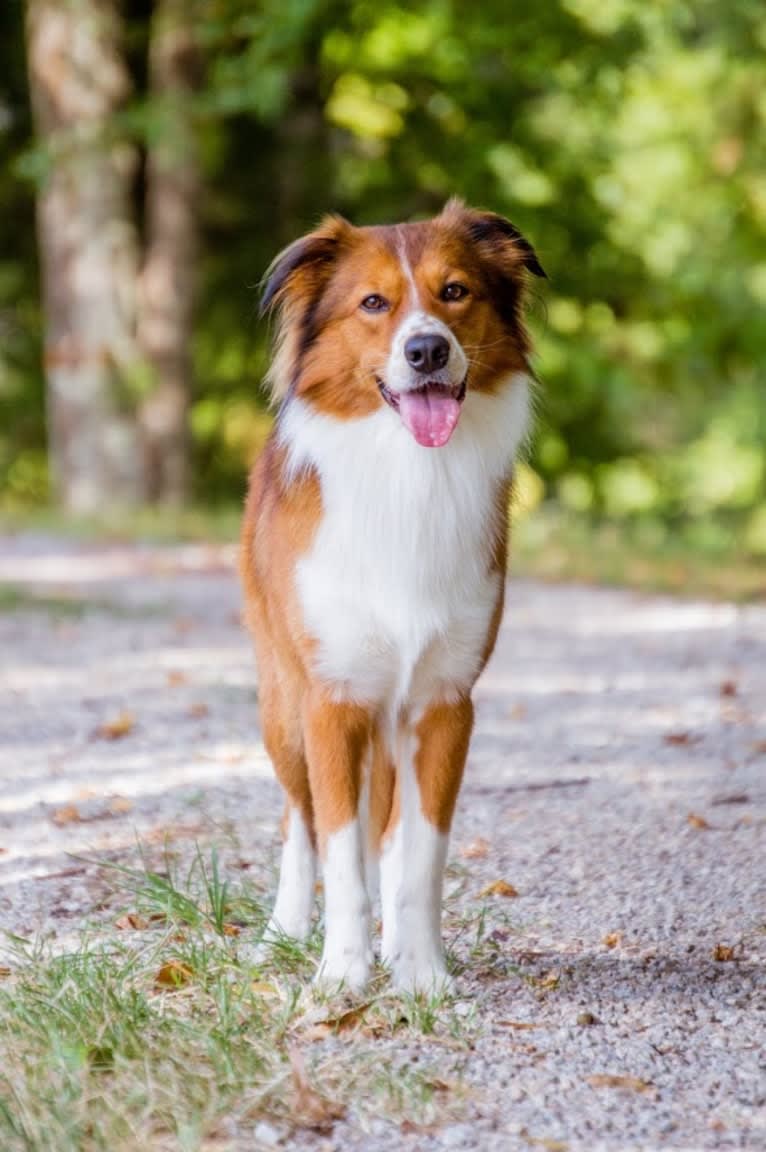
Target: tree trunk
point(88, 252)
point(167, 282)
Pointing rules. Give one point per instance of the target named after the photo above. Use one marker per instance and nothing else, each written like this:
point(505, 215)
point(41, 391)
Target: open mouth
point(430, 413)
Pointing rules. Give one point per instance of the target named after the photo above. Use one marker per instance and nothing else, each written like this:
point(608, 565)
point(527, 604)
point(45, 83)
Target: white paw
point(412, 974)
point(348, 968)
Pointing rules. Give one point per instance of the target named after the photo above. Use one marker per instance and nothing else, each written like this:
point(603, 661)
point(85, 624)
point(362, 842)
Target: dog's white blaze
point(409, 274)
point(347, 955)
point(400, 376)
point(297, 876)
point(396, 588)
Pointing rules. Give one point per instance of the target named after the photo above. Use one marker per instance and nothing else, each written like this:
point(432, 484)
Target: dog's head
point(413, 316)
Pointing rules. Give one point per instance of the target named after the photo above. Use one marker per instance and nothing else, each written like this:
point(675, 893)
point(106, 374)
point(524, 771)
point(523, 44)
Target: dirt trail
point(617, 780)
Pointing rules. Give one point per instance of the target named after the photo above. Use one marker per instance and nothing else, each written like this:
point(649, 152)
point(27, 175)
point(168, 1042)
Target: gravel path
point(617, 780)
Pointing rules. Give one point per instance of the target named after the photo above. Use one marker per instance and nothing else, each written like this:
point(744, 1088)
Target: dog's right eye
point(374, 303)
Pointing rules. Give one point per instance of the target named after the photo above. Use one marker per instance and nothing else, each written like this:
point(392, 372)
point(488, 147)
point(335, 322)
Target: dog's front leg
point(431, 761)
point(337, 737)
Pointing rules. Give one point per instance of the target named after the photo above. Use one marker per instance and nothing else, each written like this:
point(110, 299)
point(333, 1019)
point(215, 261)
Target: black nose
point(427, 352)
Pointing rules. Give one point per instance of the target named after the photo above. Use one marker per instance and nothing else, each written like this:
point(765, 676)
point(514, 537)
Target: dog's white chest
point(397, 589)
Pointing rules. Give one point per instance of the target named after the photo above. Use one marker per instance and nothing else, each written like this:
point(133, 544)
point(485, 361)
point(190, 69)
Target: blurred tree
point(168, 278)
point(627, 139)
point(78, 82)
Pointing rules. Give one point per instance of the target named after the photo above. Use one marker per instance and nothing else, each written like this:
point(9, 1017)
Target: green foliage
point(626, 139)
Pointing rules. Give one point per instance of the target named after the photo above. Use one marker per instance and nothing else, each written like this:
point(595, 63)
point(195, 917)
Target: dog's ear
point(304, 265)
point(292, 289)
point(488, 228)
point(497, 239)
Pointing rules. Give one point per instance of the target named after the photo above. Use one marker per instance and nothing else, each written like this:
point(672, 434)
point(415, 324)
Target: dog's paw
point(421, 974)
point(346, 968)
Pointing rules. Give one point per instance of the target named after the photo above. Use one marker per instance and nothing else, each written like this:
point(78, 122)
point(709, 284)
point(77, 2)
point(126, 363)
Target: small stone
point(266, 1134)
point(587, 1020)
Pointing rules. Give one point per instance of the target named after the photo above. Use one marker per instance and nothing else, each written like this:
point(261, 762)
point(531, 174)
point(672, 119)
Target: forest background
point(155, 156)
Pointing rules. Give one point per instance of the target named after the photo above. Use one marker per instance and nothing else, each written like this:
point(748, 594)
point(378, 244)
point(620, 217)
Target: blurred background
point(155, 156)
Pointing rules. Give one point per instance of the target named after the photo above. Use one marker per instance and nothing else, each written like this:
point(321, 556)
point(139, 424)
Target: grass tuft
point(163, 1035)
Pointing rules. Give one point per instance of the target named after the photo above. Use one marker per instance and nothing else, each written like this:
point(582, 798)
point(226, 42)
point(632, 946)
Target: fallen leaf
point(131, 921)
point(176, 677)
point(519, 1025)
point(346, 1021)
point(697, 821)
point(4, 971)
point(231, 930)
point(728, 688)
point(543, 1142)
point(69, 814)
point(612, 939)
point(116, 729)
point(499, 888)
point(722, 953)
point(310, 1109)
point(548, 980)
point(263, 988)
point(199, 710)
point(629, 1083)
point(119, 805)
point(680, 738)
point(476, 850)
point(174, 974)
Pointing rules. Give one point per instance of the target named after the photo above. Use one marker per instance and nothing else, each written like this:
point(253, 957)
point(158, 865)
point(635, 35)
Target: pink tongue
point(430, 416)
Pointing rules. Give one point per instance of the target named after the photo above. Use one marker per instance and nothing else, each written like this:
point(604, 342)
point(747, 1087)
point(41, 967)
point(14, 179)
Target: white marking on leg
point(371, 868)
point(391, 874)
point(295, 894)
point(297, 877)
point(347, 954)
point(414, 942)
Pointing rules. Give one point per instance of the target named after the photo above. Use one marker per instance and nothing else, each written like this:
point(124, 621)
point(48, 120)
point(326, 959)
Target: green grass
point(157, 1036)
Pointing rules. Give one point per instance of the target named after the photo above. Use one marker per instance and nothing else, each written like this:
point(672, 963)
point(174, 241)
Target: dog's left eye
point(454, 291)
point(374, 303)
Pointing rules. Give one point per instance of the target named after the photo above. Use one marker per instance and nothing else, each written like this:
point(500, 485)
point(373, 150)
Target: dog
point(373, 559)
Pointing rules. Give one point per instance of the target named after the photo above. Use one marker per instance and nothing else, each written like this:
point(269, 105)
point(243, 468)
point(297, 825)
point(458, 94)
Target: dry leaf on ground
point(199, 710)
point(174, 974)
point(69, 814)
point(121, 726)
point(543, 1142)
point(132, 921)
point(697, 821)
point(476, 850)
point(499, 888)
point(680, 738)
point(310, 1108)
point(519, 1025)
point(629, 1083)
point(612, 939)
point(119, 805)
point(176, 677)
point(723, 953)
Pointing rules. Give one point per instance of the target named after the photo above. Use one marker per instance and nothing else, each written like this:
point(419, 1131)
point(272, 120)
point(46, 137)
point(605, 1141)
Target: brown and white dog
point(373, 560)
